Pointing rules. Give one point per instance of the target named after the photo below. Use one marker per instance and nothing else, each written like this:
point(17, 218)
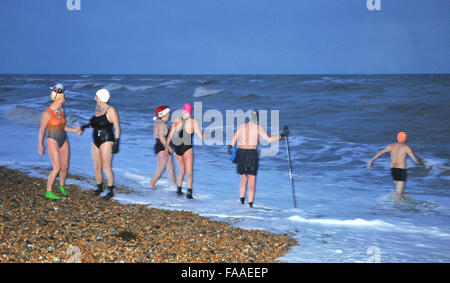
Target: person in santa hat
point(160, 132)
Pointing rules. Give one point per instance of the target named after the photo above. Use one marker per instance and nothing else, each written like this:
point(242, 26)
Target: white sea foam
point(203, 91)
point(372, 224)
point(437, 165)
point(170, 83)
point(116, 86)
point(139, 178)
point(354, 223)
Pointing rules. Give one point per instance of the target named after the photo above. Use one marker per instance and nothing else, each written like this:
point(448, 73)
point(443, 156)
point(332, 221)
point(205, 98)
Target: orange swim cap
point(401, 137)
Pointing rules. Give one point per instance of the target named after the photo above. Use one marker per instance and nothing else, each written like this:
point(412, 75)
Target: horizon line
point(218, 74)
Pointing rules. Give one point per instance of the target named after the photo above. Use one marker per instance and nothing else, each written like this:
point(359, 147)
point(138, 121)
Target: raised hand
point(285, 132)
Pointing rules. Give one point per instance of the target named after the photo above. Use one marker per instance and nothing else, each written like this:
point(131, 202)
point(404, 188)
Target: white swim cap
point(103, 94)
point(57, 92)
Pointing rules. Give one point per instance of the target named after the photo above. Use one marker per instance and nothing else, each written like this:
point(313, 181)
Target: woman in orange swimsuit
point(54, 121)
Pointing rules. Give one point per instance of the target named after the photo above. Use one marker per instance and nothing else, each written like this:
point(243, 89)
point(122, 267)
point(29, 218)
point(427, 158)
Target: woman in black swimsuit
point(180, 138)
point(160, 132)
point(105, 143)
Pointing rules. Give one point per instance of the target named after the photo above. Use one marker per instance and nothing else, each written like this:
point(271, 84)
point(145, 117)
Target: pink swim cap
point(187, 107)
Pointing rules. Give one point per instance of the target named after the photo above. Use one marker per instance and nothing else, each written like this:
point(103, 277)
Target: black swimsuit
point(159, 145)
point(103, 130)
point(398, 174)
point(181, 140)
point(247, 161)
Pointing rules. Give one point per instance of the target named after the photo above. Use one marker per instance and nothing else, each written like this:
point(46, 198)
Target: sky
point(224, 37)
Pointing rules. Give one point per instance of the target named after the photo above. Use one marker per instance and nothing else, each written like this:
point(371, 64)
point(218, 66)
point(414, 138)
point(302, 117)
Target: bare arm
point(161, 131)
point(73, 130)
point(263, 134)
point(197, 129)
point(235, 137)
point(413, 156)
point(386, 149)
point(44, 120)
point(169, 137)
point(114, 118)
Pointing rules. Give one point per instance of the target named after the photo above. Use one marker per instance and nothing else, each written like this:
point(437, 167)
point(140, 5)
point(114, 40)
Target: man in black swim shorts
point(247, 157)
point(398, 151)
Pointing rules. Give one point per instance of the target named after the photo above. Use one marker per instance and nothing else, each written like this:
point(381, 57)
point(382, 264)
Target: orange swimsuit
point(55, 127)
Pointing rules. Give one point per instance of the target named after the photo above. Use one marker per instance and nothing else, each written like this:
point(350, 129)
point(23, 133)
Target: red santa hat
point(161, 111)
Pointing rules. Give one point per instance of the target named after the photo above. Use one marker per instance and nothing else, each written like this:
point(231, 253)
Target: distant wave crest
point(203, 91)
point(111, 86)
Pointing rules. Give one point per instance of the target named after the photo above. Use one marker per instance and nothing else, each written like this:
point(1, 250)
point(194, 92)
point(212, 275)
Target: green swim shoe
point(51, 195)
point(62, 190)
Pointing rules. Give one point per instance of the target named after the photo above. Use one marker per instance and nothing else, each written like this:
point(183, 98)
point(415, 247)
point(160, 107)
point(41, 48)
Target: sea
point(345, 211)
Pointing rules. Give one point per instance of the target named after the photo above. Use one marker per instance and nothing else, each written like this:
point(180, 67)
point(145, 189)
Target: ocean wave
point(437, 166)
point(353, 223)
point(335, 83)
point(206, 82)
point(372, 224)
point(24, 115)
point(111, 86)
point(86, 85)
point(6, 88)
point(170, 83)
point(250, 96)
point(116, 86)
point(203, 91)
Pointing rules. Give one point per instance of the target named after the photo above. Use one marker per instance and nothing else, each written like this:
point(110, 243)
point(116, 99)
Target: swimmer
point(180, 136)
point(161, 133)
point(105, 142)
point(398, 151)
point(54, 121)
point(247, 157)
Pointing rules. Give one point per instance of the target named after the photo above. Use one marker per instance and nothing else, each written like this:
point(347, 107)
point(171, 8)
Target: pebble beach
point(87, 229)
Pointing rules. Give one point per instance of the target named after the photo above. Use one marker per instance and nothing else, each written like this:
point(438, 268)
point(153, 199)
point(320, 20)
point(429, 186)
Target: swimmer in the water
point(398, 151)
point(53, 120)
point(247, 156)
point(180, 137)
point(105, 142)
point(161, 133)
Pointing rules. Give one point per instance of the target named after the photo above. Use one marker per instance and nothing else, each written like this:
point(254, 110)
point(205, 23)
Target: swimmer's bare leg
point(53, 152)
point(251, 188)
point(96, 156)
point(171, 170)
point(106, 159)
point(64, 153)
point(400, 188)
point(188, 158)
point(181, 166)
point(243, 185)
point(162, 162)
